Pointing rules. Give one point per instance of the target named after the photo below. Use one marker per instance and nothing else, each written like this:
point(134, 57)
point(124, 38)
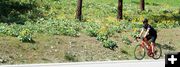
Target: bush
point(91, 32)
point(12, 32)
point(109, 44)
point(117, 29)
point(69, 31)
point(103, 34)
point(3, 29)
point(70, 57)
point(161, 25)
point(126, 40)
point(101, 38)
point(91, 29)
point(126, 25)
point(25, 35)
point(61, 27)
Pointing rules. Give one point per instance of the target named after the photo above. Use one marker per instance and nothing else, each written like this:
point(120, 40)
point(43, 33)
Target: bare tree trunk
point(120, 10)
point(142, 5)
point(179, 10)
point(79, 10)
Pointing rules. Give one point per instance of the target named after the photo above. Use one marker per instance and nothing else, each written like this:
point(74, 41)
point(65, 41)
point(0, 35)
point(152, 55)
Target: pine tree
point(120, 10)
point(142, 5)
point(79, 10)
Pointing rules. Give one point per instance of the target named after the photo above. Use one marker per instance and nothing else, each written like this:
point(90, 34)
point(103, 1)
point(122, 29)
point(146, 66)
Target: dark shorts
point(151, 38)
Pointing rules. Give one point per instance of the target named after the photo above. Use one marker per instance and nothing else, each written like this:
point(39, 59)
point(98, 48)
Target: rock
point(1, 59)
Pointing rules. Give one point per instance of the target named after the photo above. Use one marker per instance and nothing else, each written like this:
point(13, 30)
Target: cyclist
point(150, 33)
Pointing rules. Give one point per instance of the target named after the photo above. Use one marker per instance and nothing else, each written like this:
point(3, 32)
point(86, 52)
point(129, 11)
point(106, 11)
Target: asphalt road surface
point(123, 63)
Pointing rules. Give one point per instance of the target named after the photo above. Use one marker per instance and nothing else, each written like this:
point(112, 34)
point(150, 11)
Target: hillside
point(46, 31)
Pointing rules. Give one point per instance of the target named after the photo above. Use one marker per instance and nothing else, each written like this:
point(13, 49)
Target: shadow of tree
point(14, 12)
point(175, 17)
point(124, 52)
point(32, 41)
point(147, 3)
point(167, 47)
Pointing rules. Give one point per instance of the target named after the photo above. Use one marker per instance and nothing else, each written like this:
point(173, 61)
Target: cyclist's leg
point(148, 37)
point(153, 39)
point(152, 46)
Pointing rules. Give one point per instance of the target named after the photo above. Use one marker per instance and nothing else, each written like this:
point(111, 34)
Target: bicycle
point(142, 48)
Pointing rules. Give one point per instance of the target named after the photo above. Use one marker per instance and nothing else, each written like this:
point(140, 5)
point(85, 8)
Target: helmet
point(145, 20)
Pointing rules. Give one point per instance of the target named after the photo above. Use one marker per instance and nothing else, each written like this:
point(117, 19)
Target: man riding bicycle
point(150, 34)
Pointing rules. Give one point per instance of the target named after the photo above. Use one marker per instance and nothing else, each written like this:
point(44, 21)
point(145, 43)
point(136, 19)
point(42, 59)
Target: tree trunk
point(120, 10)
point(142, 5)
point(179, 10)
point(79, 10)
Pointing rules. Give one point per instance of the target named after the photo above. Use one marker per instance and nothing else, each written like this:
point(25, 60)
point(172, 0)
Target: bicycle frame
point(144, 43)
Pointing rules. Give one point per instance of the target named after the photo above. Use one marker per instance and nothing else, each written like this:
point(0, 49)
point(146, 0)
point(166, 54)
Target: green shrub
point(60, 27)
point(102, 38)
point(91, 32)
point(177, 23)
point(25, 35)
point(111, 31)
point(109, 44)
point(126, 26)
point(91, 29)
point(161, 25)
point(126, 40)
point(70, 57)
point(12, 32)
point(117, 29)
point(69, 31)
point(2, 29)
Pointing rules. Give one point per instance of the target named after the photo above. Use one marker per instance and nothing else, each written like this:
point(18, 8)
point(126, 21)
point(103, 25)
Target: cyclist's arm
point(141, 32)
point(146, 32)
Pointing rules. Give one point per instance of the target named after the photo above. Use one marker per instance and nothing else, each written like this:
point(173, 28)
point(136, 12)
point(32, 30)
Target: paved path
point(124, 63)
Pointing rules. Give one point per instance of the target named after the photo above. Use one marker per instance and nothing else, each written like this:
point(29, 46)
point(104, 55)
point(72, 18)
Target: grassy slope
point(50, 48)
point(53, 48)
point(104, 11)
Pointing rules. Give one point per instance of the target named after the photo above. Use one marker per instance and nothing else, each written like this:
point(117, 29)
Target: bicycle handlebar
point(136, 38)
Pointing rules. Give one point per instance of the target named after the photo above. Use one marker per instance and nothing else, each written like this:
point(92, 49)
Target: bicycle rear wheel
point(157, 52)
point(139, 52)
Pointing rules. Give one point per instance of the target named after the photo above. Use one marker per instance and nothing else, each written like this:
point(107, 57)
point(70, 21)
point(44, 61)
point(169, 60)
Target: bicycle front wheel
point(139, 52)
